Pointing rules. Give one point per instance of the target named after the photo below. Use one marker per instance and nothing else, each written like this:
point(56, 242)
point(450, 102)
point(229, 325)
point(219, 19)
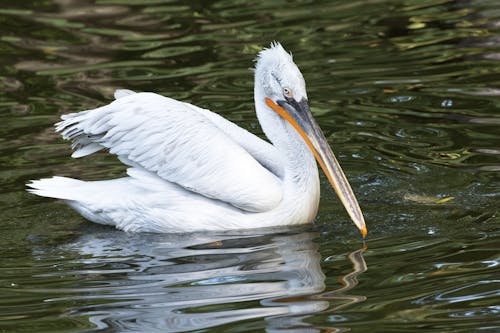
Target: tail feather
point(56, 187)
point(76, 193)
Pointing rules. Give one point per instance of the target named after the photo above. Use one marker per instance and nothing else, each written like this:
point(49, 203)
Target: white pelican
point(191, 169)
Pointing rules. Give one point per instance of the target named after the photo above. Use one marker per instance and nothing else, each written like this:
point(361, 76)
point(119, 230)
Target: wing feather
point(178, 143)
point(261, 150)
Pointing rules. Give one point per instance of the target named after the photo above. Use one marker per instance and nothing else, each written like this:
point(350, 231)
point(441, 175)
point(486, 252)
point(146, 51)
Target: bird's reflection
point(174, 283)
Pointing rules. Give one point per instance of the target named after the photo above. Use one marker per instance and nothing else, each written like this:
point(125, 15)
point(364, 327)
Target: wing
point(178, 143)
point(264, 152)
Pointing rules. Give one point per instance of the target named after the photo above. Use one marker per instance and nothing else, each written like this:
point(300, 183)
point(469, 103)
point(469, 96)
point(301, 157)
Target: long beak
point(300, 117)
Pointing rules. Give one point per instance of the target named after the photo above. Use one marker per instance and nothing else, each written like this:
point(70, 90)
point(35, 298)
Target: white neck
point(301, 180)
point(275, 71)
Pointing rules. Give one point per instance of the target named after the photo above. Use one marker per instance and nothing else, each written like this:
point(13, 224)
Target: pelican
point(190, 169)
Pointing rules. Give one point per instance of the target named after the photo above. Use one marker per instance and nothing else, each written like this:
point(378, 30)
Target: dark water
point(406, 91)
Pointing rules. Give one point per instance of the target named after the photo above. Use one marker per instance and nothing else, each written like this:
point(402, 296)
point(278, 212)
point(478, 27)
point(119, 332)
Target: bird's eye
point(287, 92)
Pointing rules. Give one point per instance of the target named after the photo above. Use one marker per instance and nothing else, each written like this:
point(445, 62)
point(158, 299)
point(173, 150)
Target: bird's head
point(278, 76)
point(279, 85)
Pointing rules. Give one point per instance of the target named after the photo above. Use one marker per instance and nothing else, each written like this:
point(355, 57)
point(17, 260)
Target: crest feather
point(274, 53)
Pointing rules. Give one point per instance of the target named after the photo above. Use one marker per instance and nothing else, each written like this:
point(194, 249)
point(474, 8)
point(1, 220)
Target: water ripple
point(406, 93)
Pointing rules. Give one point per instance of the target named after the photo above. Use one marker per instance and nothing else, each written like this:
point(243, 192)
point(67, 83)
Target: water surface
point(407, 93)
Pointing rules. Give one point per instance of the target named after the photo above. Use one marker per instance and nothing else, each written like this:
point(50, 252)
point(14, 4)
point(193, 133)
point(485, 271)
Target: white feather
point(123, 92)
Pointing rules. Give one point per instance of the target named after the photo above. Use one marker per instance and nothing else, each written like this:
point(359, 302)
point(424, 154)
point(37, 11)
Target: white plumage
point(191, 169)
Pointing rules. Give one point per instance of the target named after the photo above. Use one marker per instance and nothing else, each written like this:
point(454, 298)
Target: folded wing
point(181, 145)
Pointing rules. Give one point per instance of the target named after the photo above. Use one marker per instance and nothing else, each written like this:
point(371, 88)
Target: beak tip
point(364, 231)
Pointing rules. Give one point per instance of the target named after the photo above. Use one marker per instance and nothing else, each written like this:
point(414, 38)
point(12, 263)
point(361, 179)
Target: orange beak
point(300, 117)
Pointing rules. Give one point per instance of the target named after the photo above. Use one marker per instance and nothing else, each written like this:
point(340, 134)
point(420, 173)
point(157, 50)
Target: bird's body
point(191, 169)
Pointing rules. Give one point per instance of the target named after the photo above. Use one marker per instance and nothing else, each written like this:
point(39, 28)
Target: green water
point(407, 93)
